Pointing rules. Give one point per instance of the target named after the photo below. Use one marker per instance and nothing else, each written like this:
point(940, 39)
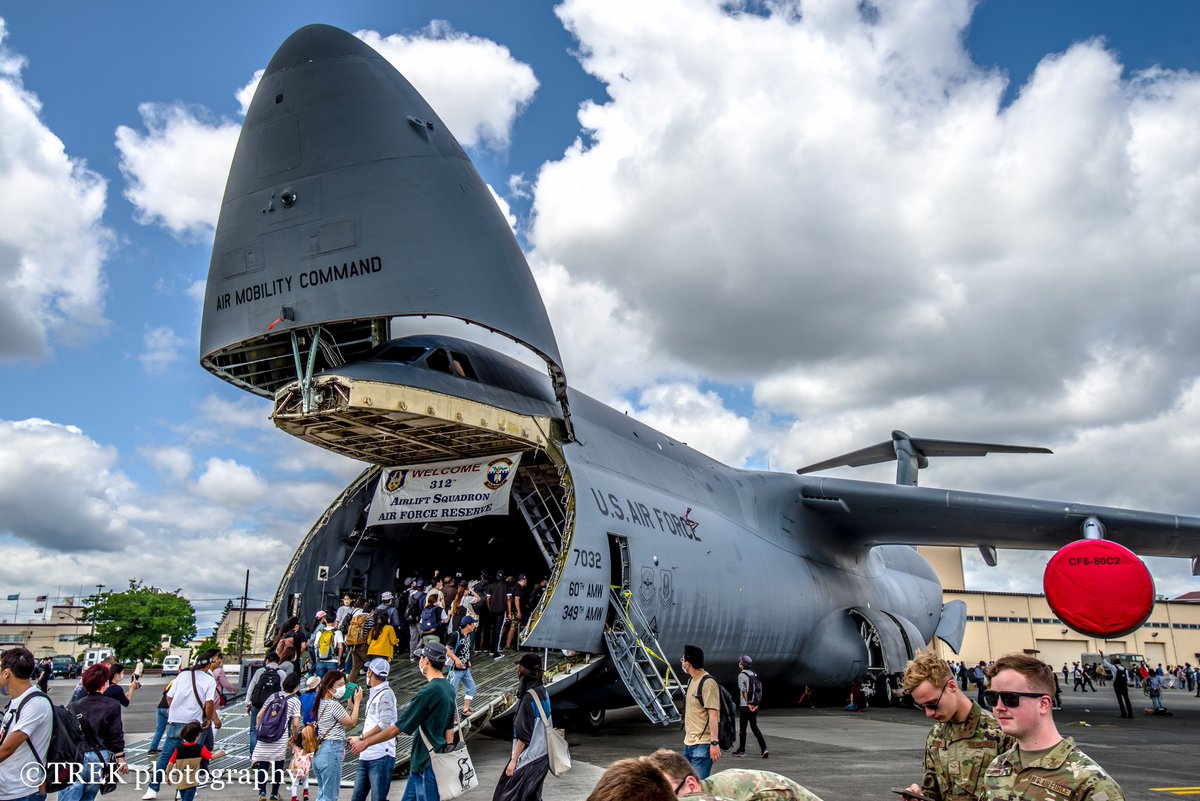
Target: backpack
point(275, 719)
point(356, 634)
point(430, 618)
point(727, 720)
point(325, 644)
point(412, 612)
point(754, 694)
point(268, 684)
point(63, 760)
point(307, 715)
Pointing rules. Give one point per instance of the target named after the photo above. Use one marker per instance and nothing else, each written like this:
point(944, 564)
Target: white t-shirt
point(36, 721)
point(381, 713)
point(184, 707)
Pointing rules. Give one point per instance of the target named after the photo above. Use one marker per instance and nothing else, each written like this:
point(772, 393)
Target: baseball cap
point(522, 577)
point(466, 621)
point(379, 667)
point(435, 652)
point(321, 615)
point(747, 661)
point(387, 596)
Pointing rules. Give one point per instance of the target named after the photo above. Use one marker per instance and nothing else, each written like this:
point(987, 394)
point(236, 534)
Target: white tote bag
point(453, 769)
point(556, 742)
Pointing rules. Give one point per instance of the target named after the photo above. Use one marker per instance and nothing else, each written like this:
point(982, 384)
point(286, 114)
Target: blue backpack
point(430, 617)
point(306, 707)
point(274, 719)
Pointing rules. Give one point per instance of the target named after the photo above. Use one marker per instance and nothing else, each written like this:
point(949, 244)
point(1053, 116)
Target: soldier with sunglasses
point(964, 739)
point(1043, 765)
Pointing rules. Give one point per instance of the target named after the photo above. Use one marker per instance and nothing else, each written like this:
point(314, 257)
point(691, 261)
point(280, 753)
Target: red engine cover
point(1099, 588)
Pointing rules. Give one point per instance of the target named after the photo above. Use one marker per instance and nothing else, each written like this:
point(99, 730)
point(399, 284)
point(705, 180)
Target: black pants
point(746, 716)
point(1122, 691)
point(268, 773)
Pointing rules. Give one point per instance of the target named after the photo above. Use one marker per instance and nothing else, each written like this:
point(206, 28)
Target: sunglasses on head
point(1009, 698)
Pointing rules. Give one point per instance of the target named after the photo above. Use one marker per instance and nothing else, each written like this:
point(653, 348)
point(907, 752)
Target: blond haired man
point(730, 785)
point(1043, 765)
point(964, 739)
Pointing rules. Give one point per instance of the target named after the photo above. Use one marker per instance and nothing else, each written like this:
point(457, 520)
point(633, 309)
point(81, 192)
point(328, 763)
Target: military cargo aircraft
point(349, 205)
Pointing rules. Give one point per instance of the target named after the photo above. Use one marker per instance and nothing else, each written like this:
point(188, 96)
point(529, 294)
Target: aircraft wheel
point(592, 719)
point(884, 695)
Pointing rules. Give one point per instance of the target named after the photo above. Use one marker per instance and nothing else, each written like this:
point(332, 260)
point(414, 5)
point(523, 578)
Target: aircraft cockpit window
point(401, 354)
point(460, 365)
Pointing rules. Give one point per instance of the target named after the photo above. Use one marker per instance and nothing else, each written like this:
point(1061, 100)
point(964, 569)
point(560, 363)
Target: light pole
point(92, 635)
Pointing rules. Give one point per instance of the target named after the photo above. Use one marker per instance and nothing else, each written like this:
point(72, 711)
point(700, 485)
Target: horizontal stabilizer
point(913, 454)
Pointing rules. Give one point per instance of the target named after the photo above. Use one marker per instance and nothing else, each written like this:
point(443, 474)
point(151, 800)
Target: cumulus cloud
point(174, 460)
point(176, 168)
point(162, 348)
point(697, 418)
point(228, 482)
point(59, 489)
point(834, 207)
point(52, 242)
point(474, 84)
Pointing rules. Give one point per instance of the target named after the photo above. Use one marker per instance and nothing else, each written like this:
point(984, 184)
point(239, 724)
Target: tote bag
point(453, 769)
point(556, 742)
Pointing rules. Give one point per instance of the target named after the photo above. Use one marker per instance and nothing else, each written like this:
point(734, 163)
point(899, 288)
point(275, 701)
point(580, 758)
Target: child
point(188, 761)
point(301, 764)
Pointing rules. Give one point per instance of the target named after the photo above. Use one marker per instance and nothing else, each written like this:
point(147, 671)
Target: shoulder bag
point(556, 741)
point(452, 768)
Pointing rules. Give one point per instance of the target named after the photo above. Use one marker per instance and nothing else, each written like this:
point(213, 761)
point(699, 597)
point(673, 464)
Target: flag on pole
point(16, 597)
point(41, 599)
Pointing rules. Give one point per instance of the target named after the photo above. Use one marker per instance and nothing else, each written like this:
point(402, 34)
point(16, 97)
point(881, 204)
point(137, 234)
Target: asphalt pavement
point(840, 756)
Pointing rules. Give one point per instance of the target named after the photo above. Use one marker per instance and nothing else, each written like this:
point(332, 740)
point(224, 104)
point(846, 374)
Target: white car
point(171, 665)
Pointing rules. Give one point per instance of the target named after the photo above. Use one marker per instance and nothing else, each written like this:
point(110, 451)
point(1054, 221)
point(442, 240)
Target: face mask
point(339, 689)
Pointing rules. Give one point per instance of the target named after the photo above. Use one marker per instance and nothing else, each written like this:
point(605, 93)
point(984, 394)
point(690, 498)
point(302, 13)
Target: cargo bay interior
point(345, 555)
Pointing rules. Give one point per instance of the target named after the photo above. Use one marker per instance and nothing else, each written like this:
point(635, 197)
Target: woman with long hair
point(526, 770)
point(383, 639)
point(332, 722)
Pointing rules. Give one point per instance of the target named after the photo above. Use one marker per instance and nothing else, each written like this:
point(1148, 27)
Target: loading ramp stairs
point(634, 649)
point(496, 682)
point(537, 490)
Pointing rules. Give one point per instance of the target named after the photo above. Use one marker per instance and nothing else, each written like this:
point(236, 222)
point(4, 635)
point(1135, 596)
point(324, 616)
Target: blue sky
point(776, 234)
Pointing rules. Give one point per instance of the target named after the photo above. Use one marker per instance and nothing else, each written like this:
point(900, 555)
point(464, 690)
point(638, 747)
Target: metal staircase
point(537, 491)
point(633, 647)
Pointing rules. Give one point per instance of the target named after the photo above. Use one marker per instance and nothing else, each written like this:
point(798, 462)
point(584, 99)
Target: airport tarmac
point(840, 756)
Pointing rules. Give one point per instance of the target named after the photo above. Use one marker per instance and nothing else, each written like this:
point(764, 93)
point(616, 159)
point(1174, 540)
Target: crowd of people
point(1001, 745)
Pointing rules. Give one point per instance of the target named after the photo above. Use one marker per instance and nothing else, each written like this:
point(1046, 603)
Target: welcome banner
point(458, 490)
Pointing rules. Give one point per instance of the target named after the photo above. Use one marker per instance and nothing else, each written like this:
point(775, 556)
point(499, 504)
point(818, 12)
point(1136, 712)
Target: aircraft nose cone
point(315, 43)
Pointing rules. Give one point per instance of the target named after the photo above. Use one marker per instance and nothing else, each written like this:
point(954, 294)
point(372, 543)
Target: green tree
point(207, 644)
point(239, 641)
point(134, 622)
point(225, 612)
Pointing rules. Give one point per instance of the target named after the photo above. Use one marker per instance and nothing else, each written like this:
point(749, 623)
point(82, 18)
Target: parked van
point(171, 665)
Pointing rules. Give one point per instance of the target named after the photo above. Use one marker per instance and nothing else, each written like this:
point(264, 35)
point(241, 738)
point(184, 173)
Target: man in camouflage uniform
point(964, 739)
point(1043, 765)
point(731, 785)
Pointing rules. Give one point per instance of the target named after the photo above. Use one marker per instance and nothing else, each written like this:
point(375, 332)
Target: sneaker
point(766, 754)
point(737, 753)
point(153, 751)
point(150, 794)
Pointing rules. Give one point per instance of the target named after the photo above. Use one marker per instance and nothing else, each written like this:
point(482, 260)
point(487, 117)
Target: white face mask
point(339, 689)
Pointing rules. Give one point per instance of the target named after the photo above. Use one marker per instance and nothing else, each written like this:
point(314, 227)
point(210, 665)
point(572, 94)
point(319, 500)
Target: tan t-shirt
point(695, 714)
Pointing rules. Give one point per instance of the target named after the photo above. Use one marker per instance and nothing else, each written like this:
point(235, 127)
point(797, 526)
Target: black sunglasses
point(679, 786)
point(1008, 697)
point(933, 707)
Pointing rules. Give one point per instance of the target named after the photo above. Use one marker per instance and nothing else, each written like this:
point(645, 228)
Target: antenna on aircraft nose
point(913, 454)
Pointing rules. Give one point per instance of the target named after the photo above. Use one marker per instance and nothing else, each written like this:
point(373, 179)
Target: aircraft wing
point(872, 513)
